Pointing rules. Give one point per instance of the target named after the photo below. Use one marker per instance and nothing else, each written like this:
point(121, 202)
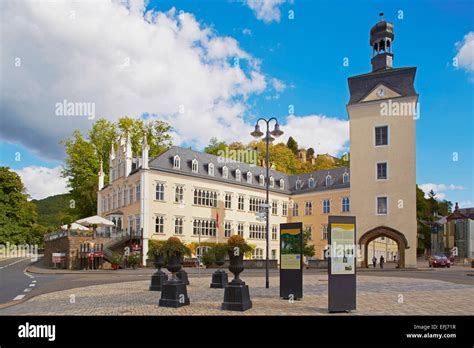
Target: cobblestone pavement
point(375, 296)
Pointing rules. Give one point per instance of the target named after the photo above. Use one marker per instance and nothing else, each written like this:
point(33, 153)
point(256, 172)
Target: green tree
point(292, 145)
point(84, 154)
point(17, 214)
point(215, 147)
point(308, 249)
point(310, 153)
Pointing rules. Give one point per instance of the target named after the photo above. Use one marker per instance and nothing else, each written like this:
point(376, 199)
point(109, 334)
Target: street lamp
point(257, 133)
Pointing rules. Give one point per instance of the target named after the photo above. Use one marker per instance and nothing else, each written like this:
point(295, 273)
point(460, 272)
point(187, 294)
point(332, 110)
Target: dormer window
point(328, 180)
point(210, 169)
point(282, 184)
point(311, 182)
point(225, 172)
point(272, 182)
point(345, 178)
point(238, 175)
point(249, 177)
point(298, 184)
point(262, 180)
point(176, 162)
point(194, 166)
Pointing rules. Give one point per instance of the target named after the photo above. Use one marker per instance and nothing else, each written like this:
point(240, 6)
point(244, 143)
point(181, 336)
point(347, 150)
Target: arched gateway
point(384, 231)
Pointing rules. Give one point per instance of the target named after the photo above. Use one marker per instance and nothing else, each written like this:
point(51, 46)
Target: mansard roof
point(400, 80)
point(164, 162)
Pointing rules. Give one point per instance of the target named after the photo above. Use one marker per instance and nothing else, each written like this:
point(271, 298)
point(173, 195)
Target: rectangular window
point(274, 232)
point(295, 209)
point(159, 224)
point(160, 191)
point(228, 201)
point(241, 203)
point(257, 232)
point(204, 227)
point(227, 229)
point(382, 173)
point(274, 254)
point(137, 193)
point(254, 204)
point(274, 207)
point(205, 198)
point(382, 205)
point(308, 208)
point(137, 225)
point(381, 135)
point(345, 204)
point(240, 230)
point(284, 209)
point(178, 225)
point(326, 206)
point(324, 231)
point(179, 194)
point(130, 195)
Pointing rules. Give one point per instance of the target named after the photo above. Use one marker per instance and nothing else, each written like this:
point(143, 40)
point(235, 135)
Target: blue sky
point(305, 55)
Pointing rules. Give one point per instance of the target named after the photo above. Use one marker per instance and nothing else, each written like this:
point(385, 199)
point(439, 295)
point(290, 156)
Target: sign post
point(342, 263)
point(291, 260)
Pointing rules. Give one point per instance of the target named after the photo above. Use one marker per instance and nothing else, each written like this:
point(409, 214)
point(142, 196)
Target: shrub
point(239, 242)
point(174, 246)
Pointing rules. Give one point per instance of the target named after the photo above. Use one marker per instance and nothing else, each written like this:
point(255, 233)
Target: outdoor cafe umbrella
point(95, 221)
point(74, 227)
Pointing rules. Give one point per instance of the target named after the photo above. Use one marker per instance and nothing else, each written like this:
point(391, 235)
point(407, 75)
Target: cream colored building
point(196, 196)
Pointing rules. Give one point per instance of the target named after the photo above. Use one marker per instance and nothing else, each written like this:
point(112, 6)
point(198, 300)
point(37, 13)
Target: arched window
point(262, 180)
point(345, 178)
point(282, 184)
point(210, 169)
point(298, 184)
point(272, 182)
point(176, 162)
point(225, 172)
point(328, 180)
point(249, 177)
point(311, 182)
point(194, 166)
point(238, 175)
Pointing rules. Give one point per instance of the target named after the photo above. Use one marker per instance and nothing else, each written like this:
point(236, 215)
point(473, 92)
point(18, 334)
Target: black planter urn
point(159, 277)
point(219, 277)
point(182, 274)
point(173, 292)
point(236, 294)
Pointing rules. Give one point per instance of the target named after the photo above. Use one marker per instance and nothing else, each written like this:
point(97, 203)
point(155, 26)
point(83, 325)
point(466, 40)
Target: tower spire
point(381, 38)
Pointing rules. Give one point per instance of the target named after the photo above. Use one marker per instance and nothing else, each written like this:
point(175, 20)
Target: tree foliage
point(292, 145)
point(84, 154)
point(17, 215)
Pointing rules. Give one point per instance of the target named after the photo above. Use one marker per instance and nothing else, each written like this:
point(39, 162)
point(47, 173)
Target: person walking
point(374, 261)
point(382, 260)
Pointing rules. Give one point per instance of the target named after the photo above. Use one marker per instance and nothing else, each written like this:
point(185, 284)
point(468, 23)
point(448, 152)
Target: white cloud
point(439, 189)
point(278, 85)
point(465, 55)
point(266, 10)
point(42, 182)
point(126, 63)
point(324, 134)
point(466, 204)
point(247, 31)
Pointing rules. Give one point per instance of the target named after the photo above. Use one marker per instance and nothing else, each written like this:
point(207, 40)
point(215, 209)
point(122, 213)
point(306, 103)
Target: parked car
point(439, 260)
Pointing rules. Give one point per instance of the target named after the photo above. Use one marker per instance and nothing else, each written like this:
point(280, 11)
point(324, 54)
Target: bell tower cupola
point(381, 39)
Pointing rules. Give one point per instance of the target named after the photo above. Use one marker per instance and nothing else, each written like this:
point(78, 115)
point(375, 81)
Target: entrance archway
point(388, 232)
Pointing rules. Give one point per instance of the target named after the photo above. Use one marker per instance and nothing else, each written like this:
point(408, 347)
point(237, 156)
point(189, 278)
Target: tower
point(382, 116)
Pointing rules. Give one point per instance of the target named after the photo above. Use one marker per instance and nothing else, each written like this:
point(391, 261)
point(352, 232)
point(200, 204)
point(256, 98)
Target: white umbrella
point(74, 227)
point(95, 220)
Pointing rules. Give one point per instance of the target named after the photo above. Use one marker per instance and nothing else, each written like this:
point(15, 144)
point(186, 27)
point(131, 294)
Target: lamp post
point(276, 132)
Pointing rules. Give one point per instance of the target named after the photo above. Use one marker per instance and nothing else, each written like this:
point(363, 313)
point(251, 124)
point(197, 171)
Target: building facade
point(198, 196)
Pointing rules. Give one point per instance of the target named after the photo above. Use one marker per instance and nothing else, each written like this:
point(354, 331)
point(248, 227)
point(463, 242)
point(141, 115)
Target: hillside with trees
point(287, 158)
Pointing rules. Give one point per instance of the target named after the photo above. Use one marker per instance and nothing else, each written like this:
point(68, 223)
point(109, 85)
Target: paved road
point(15, 283)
